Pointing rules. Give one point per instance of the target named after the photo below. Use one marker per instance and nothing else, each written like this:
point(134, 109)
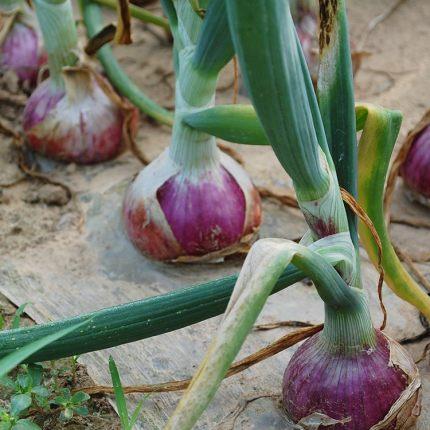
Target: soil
point(53, 229)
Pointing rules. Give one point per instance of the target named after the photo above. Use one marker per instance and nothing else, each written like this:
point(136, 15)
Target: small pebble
point(71, 168)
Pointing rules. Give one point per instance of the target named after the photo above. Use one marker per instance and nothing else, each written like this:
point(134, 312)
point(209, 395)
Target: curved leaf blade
point(379, 136)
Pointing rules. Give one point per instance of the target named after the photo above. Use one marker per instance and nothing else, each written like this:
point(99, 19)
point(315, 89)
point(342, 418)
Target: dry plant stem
point(236, 80)
point(138, 153)
point(359, 211)
point(243, 404)
point(278, 324)
point(357, 59)
point(230, 151)
point(417, 223)
point(287, 199)
point(274, 348)
point(414, 269)
point(377, 20)
point(31, 173)
point(104, 36)
point(417, 338)
point(14, 183)
point(7, 128)
point(123, 28)
point(45, 178)
point(424, 354)
point(399, 160)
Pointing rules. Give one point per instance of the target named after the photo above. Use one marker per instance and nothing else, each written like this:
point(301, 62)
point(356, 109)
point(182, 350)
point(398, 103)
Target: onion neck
point(192, 150)
point(59, 36)
point(349, 330)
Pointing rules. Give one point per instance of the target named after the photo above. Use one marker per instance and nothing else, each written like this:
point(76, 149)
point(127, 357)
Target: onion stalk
point(20, 42)
point(193, 202)
point(334, 378)
point(74, 115)
point(119, 79)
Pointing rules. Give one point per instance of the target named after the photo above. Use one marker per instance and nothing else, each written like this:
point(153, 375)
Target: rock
point(71, 168)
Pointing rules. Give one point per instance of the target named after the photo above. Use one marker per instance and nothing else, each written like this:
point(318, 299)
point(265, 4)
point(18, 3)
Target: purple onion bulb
point(20, 53)
point(171, 214)
point(356, 390)
point(81, 123)
point(416, 168)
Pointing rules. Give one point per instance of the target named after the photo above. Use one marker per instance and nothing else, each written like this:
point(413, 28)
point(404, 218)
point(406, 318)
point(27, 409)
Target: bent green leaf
point(239, 123)
point(262, 267)
point(381, 128)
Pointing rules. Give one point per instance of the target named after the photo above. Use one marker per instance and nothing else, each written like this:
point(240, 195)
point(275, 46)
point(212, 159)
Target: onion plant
point(20, 44)
point(74, 115)
point(350, 374)
point(193, 202)
point(314, 138)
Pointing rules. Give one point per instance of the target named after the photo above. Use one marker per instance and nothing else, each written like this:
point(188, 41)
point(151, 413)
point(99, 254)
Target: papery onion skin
point(416, 167)
point(190, 215)
point(20, 53)
point(85, 128)
point(361, 386)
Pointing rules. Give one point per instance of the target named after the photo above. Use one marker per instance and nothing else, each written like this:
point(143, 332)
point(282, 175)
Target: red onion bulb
point(416, 167)
point(172, 214)
point(81, 122)
point(370, 388)
point(20, 48)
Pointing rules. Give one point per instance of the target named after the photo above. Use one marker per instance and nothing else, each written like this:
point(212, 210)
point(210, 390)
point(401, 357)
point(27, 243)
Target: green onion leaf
point(13, 359)
point(272, 66)
point(375, 148)
point(119, 395)
point(336, 98)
